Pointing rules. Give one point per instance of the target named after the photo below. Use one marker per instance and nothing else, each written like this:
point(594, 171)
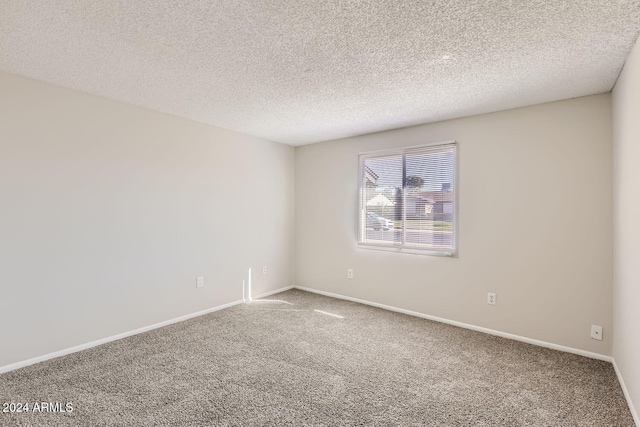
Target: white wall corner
point(627, 396)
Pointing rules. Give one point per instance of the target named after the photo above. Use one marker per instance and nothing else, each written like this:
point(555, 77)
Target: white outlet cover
point(349, 273)
point(200, 282)
point(264, 270)
point(491, 298)
point(596, 332)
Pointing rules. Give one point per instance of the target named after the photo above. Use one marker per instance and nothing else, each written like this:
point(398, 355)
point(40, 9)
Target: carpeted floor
point(283, 363)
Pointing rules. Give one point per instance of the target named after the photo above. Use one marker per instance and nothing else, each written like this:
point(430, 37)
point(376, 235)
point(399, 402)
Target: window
point(407, 199)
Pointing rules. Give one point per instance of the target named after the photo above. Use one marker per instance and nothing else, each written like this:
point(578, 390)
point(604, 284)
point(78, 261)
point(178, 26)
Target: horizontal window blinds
point(408, 199)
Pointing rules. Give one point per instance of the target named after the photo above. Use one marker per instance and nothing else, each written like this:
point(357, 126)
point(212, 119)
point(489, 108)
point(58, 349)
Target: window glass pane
point(408, 198)
point(381, 195)
point(429, 198)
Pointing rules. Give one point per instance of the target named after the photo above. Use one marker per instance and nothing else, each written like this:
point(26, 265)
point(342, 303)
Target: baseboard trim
point(24, 363)
point(85, 346)
point(277, 291)
point(634, 413)
point(465, 325)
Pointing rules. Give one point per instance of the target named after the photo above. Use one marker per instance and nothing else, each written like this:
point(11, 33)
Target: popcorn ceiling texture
point(306, 71)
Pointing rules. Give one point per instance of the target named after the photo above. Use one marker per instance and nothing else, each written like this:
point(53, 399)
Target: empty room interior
point(320, 213)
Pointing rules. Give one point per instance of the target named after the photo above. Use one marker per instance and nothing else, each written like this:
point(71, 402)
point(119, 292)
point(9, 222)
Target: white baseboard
point(465, 325)
point(277, 291)
point(85, 346)
point(539, 343)
point(627, 396)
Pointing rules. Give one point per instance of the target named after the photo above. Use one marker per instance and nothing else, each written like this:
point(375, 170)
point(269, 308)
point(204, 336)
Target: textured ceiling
point(303, 71)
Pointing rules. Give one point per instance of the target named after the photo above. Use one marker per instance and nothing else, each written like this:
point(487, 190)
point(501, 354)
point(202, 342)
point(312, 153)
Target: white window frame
point(361, 208)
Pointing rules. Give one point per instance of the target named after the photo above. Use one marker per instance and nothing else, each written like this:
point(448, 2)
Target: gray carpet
point(272, 363)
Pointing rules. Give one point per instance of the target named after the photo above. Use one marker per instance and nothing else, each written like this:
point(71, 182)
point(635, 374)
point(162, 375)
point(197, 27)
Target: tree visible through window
point(407, 198)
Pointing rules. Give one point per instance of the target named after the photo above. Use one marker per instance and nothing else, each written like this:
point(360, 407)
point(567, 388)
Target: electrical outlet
point(491, 298)
point(596, 332)
point(264, 270)
point(200, 282)
point(349, 273)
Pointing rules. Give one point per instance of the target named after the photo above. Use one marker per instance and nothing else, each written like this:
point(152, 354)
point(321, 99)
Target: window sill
point(413, 251)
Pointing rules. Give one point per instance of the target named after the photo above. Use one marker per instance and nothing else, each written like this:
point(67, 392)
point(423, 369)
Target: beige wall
point(109, 212)
point(535, 224)
point(626, 207)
